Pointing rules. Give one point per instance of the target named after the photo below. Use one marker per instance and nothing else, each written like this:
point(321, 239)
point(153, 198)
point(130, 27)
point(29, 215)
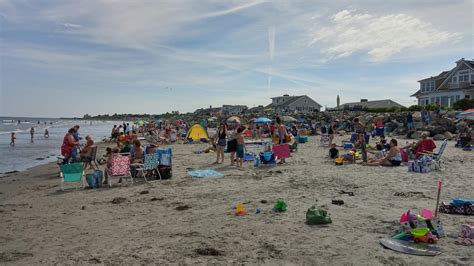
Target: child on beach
point(13, 138)
point(105, 158)
point(240, 146)
point(333, 152)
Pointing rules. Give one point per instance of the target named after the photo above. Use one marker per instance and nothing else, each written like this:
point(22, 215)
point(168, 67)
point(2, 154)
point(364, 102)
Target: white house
point(294, 104)
point(449, 86)
point(233, 109)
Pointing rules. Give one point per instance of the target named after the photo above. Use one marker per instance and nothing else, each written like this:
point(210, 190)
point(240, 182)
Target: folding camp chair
point(281, 151)
point(119, 167)
point(165, 156)
point(437, 156)
point(72, 173)
point(151, 163)
point(324, 139)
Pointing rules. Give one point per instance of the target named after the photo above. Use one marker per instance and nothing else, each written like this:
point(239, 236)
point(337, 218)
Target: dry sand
point(168, 222)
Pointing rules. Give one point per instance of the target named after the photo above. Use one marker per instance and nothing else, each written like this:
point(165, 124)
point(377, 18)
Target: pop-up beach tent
point(197, 133)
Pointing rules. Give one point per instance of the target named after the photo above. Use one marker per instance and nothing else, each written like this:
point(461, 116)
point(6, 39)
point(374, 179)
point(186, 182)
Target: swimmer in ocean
point(13, 139)
point(46, 133)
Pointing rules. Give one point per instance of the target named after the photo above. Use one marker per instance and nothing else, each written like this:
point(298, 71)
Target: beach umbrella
point(212, 119)
point(468, 114)
point(300, 120)
point(263, 120)
point(287, 118)
point(233, 119)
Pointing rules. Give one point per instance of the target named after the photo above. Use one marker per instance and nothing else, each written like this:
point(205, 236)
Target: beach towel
point(281, 151)
point(207, 173)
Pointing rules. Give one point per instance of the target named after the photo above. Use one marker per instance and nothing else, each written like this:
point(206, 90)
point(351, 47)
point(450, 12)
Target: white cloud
point(381, 37)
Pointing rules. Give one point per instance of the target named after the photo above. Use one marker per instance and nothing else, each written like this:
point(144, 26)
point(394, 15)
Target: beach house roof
point(371, 104)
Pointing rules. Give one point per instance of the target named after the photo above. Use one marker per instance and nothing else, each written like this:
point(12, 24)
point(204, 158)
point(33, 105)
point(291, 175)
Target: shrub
point(463, 104)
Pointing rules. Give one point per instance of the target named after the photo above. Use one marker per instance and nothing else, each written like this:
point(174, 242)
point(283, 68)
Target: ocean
point(27, 153)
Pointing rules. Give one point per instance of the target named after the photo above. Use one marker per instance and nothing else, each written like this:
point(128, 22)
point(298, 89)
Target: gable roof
point(373, 104)
point(459, 63)
point(292, 100)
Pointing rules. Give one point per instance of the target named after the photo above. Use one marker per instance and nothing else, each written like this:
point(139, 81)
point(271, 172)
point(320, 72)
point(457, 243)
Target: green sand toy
point(280, 206)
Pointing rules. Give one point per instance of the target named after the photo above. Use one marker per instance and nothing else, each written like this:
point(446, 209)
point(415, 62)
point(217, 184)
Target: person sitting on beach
point(382, 144)
point(137, 152)
point(333, 152)
point(13, 139)
point(392, 158)
point(125, 147)
point(240, 146)
point(86, 152)
point(105, 157)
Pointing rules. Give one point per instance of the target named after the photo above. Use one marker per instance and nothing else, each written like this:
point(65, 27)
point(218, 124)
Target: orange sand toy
point(240, 210)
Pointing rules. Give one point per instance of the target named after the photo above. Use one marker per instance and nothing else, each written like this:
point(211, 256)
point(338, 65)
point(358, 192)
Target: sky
point(61, 58)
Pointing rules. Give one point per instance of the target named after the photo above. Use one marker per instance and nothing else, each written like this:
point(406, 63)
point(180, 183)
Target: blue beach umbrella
point(263, 120)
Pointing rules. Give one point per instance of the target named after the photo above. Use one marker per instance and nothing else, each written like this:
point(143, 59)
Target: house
point(449, 86)
point(294, 104)
point(208, 111)
point(365, 104)
point(255, 110)
point(233, 109)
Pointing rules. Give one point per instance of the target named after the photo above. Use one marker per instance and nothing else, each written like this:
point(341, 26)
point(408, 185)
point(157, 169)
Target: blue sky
point(68, 58)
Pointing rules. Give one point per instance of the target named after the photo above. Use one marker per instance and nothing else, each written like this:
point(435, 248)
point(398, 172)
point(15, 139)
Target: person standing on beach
point(13, 139)
point(282, 133)
point(331, 132)
point(409, 121)
point(68, 148)
point(221, 143)
point(32, 133)
point(46, 133)
point(240, 146)
point(359, 128)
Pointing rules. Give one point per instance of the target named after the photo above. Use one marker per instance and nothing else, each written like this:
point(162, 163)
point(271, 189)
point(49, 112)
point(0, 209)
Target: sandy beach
point(192, 221)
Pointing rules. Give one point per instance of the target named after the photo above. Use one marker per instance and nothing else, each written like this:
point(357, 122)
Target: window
point(463, 76)
point(432, 86)
point(472, 78)
point(432, 100)
point(458, 97)
point(455, 79)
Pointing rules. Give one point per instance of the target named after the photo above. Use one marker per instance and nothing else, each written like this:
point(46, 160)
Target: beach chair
point(119, 167)
point(436, 157)
point(72, 173)
point(165, 156)
point(324, 139)
point(151, 163)
point(281, 151)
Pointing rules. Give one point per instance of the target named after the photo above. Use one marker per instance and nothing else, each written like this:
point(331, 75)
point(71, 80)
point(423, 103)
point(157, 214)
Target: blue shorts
point(240, 150)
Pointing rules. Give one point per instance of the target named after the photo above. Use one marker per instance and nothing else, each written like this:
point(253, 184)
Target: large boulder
point(391, 126)
point(435, 130)
point(438, 137)
point(448, 135)
point(447, 124)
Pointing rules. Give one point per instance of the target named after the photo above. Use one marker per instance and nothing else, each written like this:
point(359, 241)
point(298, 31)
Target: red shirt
point(426, 145)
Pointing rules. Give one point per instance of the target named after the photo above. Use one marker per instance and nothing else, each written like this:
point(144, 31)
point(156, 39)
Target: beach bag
point(267, 157)
point(94, 180)
point(165, 171)
point(339, 161)
point(420, 166)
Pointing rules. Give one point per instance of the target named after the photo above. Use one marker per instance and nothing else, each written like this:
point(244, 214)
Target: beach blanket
point(207, 173)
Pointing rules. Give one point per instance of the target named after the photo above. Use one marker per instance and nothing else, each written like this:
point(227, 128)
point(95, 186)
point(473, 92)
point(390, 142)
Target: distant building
point(449, 86)
point(233, 109)
point(365, 104)
point(208, 111)
point(294, 104)
point(255, 110)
